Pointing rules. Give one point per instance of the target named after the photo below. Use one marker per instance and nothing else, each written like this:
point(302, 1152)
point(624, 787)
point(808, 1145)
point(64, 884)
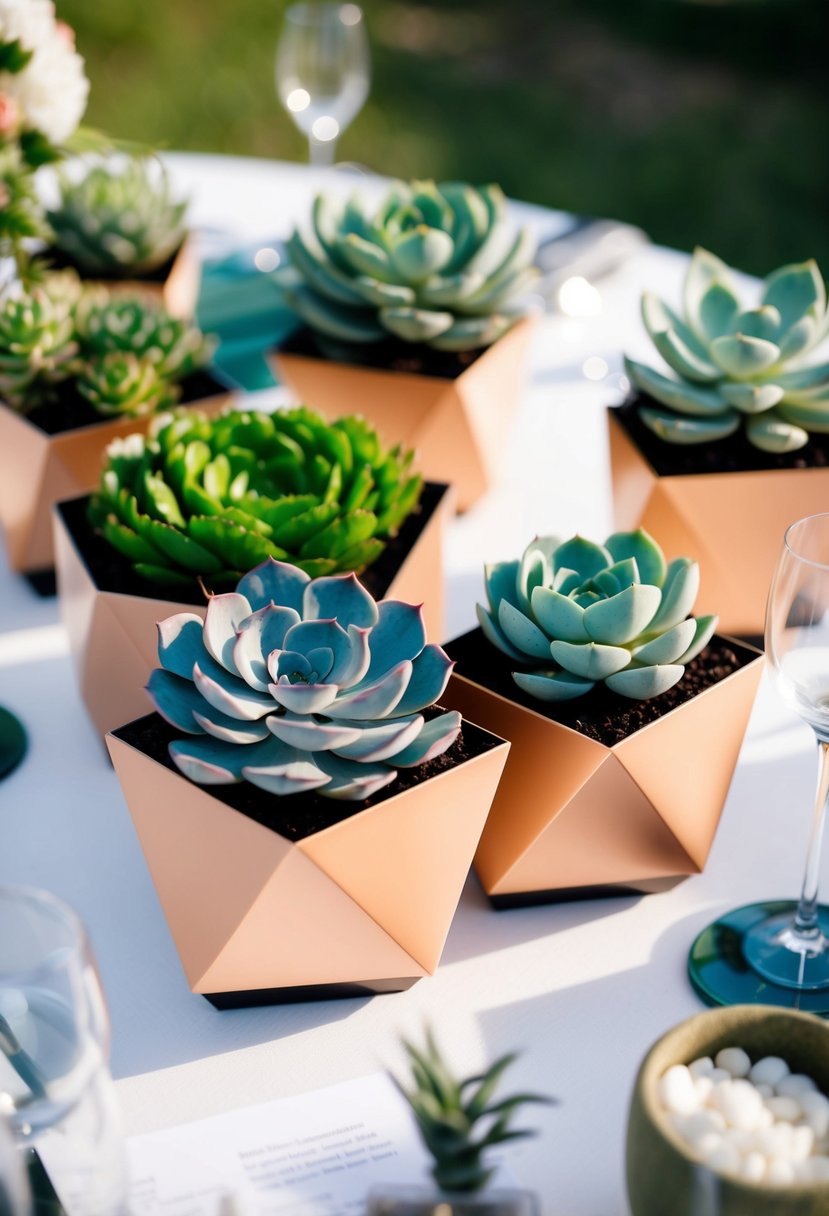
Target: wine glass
point(55, 1085)
point(322, 72)
point(777, 952)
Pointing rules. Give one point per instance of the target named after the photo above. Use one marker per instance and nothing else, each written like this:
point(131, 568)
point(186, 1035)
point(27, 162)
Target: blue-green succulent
point(578, 614)
point(295, 684)
point(436, 264)
point(735, 365)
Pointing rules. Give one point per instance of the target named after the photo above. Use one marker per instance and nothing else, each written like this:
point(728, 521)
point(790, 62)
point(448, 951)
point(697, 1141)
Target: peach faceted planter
point(175, 286)
point(575, 817)
point(732, 522)
point(459, 425)
point(110, 613)
point(39, 469)
point(299, 898)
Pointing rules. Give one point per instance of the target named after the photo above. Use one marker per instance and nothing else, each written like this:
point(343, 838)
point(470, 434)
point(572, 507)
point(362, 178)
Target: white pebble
point(701, 1067)
point(773, 1141)
point(724, 1158)
point(702, 1123)
point(801, 1144)
point(704, 1087)
point(818, 1169)
point(678, 1092)
point(765, 1091)
point(785, 1109)
point(769, 1071)
point(739, 1103)
point(733, 1060)
point(753, 1168)
point(720, 1074)
point(780, 1172)
point(815, 1109)
point(795, 1085)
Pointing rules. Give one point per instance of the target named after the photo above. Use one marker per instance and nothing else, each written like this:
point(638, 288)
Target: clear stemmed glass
point(777, 952)
point(322, 72)
point(55, 1085)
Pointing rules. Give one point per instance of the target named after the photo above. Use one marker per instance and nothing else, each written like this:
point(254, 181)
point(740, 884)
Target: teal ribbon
point(245, 308)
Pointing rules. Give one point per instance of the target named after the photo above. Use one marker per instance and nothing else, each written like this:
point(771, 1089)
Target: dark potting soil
point(110, 571)
point(732, 455)
point(298, 816)
point(70, 411)
point(390, 355)
point(57, 259)
point(600, 714)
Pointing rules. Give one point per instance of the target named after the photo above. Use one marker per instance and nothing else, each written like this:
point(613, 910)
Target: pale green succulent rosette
point(133, 326)
point(296, 684)
point(125, 385)
point(736, 366)
point(118, 220)
point(37, 347)
point(439, 265)
point(581, 614)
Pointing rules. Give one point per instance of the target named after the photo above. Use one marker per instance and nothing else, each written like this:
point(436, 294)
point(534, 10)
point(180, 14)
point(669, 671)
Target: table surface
point(581, 989)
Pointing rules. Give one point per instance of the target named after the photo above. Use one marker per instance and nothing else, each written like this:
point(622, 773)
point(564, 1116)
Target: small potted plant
point(307, 811)
point(723, 450)
point(588, 661)
point(415, 310)
point(78, 369)
point(200, 501)
point(460, 1122)
point(119, 224)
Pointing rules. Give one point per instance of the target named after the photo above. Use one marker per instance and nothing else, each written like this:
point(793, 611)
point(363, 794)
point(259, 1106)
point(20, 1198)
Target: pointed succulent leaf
point(382, 740)
point(260, 634)
point(350, 780)
point(231, 696)
point(743, 357)
point(642, 683)
point(552, 685)
point(274, 582)
point(704, 270)
point(430, 675)
point(415, 324)
point(751, 398)
point(225, 613)
point(376, 700)
point(180, 644)
point(501, 580)
point(209, 761)
point(718, 309)
point(622, 617)
point(472, 333)
point(436, 737)
point(176, 700)
point(772, 433)
point(643, 549)
point(558, 615)
point(703, 632)
point(676, 394)
point(421, 252)
point(590, 660)
point(763, 322)
point(495, 635)
point(341, 598)
point(676, 429)
point(682, 359)
point(668, 647)
point(793, 290)
point(813, 417)
point(302, 698)
point(522, 633)
point(311, 734)
point(285, 770)
point(399, 634)
point(583, 556)
point(678, 593)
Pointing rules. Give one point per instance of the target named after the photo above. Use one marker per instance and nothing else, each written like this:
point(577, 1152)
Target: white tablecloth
point(580, 989)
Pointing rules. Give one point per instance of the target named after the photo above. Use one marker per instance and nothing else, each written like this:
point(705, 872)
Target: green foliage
point(460, 1120)
point(211, 498)
point(124, 385)
point(441, 265)
point(738, 366)
point(37, 347)
point(14, 56)
point(133, 326)
point(21, 215)
point(296, 684)
point(118, 219)
point(577, 614)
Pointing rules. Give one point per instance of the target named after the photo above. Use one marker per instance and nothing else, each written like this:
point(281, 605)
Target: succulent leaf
point(281, 697)
point(612, 613)
point(734, 366)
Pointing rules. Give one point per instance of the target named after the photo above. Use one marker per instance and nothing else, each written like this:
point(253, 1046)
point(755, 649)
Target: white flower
point(52, 89)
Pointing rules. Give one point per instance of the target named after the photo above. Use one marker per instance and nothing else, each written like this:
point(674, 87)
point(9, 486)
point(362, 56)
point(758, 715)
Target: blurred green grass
point(704, 123)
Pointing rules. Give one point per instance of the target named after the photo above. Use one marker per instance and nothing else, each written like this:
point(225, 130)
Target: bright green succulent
point(125, 385)
point(37, 347)
point(134, 326)
point(441, 265)
point(118, 220)
point(579, 614)
point(211, 498)
point(460, 1120)
point(737, 365)
point(296, 684)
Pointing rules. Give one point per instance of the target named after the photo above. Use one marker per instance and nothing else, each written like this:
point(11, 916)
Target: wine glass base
point(12, 742)
point(740, 960)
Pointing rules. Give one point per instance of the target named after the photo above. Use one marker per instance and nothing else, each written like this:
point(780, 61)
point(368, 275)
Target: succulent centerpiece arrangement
point(79, 367)
point(728, 444)
point(588, 659)
point(460, 1121)
point(297, 741)
point(197, 502)
point(414, 305)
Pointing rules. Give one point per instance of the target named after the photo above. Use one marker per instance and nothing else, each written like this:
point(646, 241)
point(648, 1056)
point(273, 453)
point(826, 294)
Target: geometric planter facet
point(300, 898)
point(732, 523)
point(173, 286)
point(110, 613)
point(575, 817)
point(459, 425)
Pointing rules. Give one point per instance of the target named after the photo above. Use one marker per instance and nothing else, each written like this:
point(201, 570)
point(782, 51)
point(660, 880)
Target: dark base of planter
point(43, 582)
point(530, 899)
point(756, 640)
point(308, 992)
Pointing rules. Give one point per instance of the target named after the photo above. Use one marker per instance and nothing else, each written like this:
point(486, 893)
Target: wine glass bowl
point(778, 952)
point(322, 72)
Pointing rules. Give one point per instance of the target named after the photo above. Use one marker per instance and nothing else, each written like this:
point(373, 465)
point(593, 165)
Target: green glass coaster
point(12, 742)
point(720, 961)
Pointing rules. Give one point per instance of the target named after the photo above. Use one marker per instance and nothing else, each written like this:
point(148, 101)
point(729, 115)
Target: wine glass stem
point(806, 924)
point(321, 152)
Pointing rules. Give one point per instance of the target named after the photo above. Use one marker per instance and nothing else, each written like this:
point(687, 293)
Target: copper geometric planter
point(282, 899)
point(111, 620)
point(38, 469)
point(459, 427)
point(574, 817)
point(731, 523)
point(175, 286)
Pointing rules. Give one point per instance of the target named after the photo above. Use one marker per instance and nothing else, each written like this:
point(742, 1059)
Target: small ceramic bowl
point(662, 1176)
